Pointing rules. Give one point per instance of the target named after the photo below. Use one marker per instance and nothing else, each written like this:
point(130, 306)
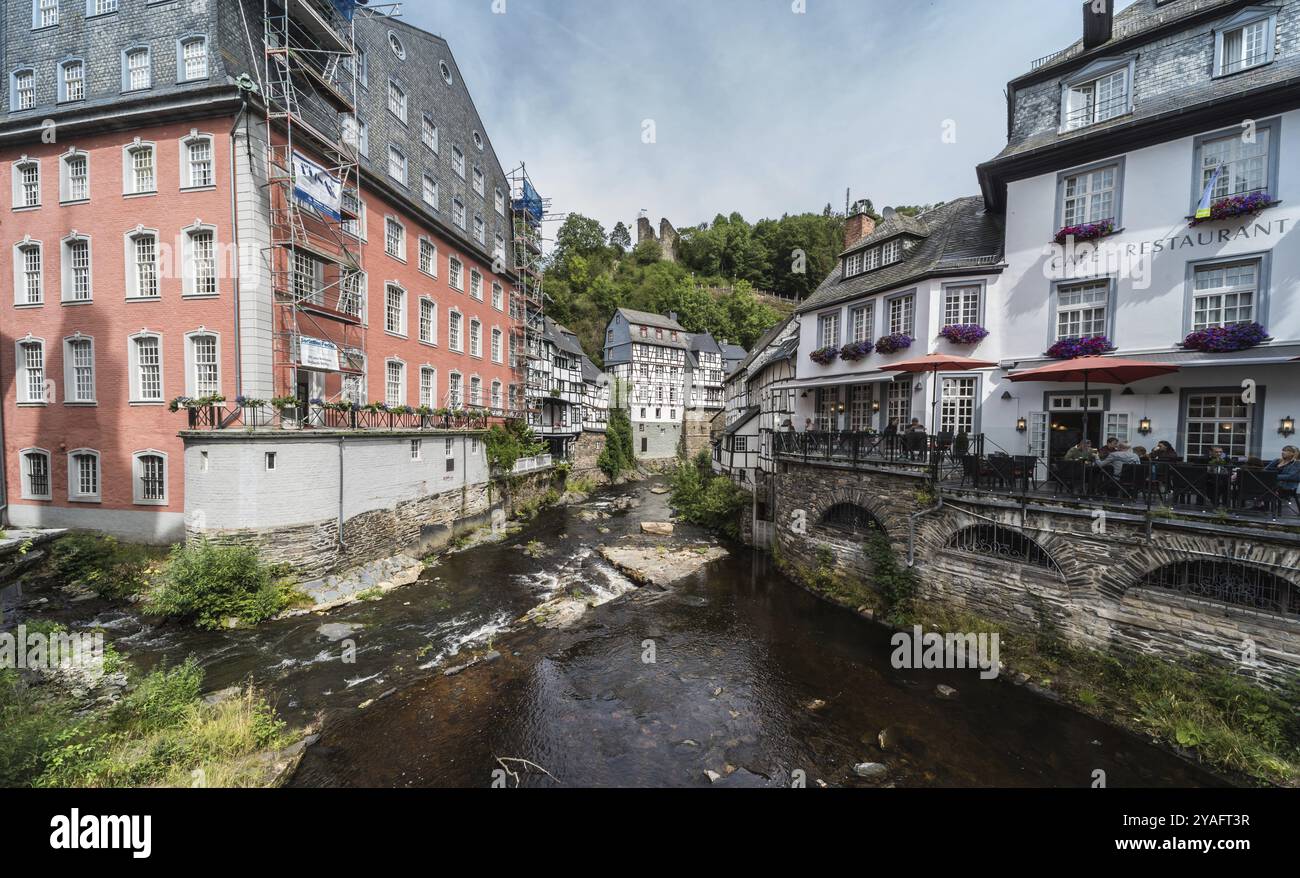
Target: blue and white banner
point(315, 353)
point(1207, 197)
point(317, 187)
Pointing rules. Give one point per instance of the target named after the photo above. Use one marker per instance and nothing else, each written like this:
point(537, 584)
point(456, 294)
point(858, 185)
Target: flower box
point(824, 356)
point(1234, 206)
point(1086, 231)
point(856, 350)
point(964, 333)
point(1223, 339)
point(1069, 348)
point(892, 344)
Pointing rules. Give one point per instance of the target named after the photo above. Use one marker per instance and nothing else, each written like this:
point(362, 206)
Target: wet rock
point(659, 566)
point(659, 489)
point(815, 704)
point(870, 770)
point(945, 691)
point(657, 528)
point(221, 695)
point(887, 738)
point(336, 631)
point(490, 657)
point(713, 776)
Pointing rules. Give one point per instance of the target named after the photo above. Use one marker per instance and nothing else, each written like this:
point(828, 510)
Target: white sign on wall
point(315, 353)
point(317, 187)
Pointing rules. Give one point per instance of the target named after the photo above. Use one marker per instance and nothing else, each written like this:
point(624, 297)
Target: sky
point(748, 106)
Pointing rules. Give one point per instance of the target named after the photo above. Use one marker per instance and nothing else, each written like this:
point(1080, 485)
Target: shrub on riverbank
point(207, 584)
point(1227, 721)
point(705, 499)
point(506, 444)
point(160, 734)
point(617, 457)
point(110, 568)
point(895, 582)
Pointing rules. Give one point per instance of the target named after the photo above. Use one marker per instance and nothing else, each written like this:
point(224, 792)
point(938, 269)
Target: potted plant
point(824, 356)
point(1223, 339)
point(893, 343)
point(1234, 206)
point(1086, 231)
point(856, 350)
point(964, 333)
point(1070, 348)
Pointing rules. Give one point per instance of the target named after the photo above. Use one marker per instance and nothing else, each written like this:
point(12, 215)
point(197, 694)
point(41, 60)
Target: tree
point(620, 237)
point(578, 236)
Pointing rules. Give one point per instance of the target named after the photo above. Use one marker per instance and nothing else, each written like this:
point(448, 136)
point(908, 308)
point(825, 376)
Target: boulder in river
point(945, 691)
point(657, 528)
point(659, 566)
point(870, 770)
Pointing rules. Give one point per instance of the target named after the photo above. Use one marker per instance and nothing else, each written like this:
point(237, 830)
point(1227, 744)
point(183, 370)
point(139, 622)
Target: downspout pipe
point(911, 529)
point(340, 525)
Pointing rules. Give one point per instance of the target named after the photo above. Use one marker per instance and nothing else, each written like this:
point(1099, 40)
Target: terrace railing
point(938, 452)
point(265, 417)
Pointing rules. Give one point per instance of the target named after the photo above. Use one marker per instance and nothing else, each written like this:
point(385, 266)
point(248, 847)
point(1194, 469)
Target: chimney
point(858, 225)
point(1098, 22)
point(672, 315)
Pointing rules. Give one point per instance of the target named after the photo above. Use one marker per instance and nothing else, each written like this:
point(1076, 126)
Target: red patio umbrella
point(936, 363)
point(1100, 370)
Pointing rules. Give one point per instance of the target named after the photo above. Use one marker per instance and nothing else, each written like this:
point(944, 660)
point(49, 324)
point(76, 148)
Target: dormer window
point(1245, 41)
point(1099, 92)
point(874, 257)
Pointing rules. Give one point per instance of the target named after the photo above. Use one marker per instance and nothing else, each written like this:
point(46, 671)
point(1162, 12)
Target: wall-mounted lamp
point(919, 386)
point(875, 406)
point(842, 407)
point(1144, 426)
point(803, 395)
point(1021, 425)
point(1288, 426)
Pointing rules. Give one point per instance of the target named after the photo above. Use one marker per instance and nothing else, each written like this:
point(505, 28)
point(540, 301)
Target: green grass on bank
point(162, 733)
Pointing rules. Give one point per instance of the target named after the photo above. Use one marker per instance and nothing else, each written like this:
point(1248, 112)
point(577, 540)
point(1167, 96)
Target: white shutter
point(1117, 426)
point(1038, 435)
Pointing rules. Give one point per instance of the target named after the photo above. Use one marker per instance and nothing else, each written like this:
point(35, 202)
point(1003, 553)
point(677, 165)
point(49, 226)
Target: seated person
point(1112, 444)
point(1164, 453)
point(1218, 457)
point(1082, 451)
point(1115, 461)
point(1287, 468)
point(1141, 452)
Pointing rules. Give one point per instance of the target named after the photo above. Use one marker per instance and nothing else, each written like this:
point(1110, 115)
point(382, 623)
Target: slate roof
point(733, 353)
point(703, 342)
point(898, 224)
point(962, 238)
point(590, 373)
point(786, 327)
point(648, 318)
point(746, 415)
point(561, 337)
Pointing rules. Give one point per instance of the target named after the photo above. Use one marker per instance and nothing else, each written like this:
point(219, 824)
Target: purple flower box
point(1069, 348)
point(1236, 205)
point(1222, 339)
point(824, 356)
point(856, 350)
point(1086, 232)
point(964, 333)
point(890, 344)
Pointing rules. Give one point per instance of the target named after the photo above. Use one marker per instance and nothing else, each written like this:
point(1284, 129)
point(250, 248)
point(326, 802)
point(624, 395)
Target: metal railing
point(532, 464)
point(939, 452)
point(265, 417)
point(1234, 490)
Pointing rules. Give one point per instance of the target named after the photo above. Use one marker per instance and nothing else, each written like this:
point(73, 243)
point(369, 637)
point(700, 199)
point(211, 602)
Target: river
point(752, 679)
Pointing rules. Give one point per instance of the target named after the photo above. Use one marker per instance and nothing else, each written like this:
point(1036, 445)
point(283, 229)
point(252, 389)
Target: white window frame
point(963, 304)
point(1102, 285)
point(17, 93)
point(455, 330)
point(71, 392)
point(1080, 107)
point(133, 360)
point(187, 143)
point(428, 260)
point(397, 102)
point(189, 264)
point(456, 274)
point(476, 284)
point(65, 176)
point(1262, 17)
point(22, 291)
point(397, 165)
point(389, 365)
point(901, 315)
point(192, 337)
point(74, 476)
point(65, 80)
point(25, 463)
point(498, 296)
point(428, 328)
point(68, 268)
point(429, 191)
point(127, 53)
point(137, 477)
point(497, 349)
point(398, 252)
point(429, 133)
point(45, 13)
point(1225, 293)
point(476, 338)
point(828, 330)
point(129, 179)
point(182, 73)
point(429, 386)
point(458, 161)
point(22, 190)
point(455, 390)
point(133, 284)
point(389, 288)
point(24, 381)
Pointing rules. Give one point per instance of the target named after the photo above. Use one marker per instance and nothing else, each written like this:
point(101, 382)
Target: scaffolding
point(528, 211)
point(313, 147)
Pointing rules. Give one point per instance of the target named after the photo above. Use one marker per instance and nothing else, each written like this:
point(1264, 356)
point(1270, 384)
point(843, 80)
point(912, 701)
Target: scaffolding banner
point(346, 8)
point(317, 187)
point(315, 353)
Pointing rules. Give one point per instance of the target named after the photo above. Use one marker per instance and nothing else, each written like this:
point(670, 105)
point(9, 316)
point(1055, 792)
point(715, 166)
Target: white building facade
point(1124, 137)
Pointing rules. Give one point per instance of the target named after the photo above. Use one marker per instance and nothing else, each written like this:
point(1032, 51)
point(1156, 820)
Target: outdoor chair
point(1189, 485)
point(1257, 489)
point(1003, 470)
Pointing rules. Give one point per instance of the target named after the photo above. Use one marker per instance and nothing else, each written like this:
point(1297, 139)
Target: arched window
point(1228, 582)
point(1003, 543)
point(149, 479)
point(36, 474)
point(853, 518)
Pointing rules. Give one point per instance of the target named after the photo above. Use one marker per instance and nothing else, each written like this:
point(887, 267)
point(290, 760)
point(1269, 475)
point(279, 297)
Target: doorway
point(1065, 430)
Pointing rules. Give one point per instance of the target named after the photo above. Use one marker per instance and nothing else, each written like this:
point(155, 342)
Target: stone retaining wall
point(1092, 597)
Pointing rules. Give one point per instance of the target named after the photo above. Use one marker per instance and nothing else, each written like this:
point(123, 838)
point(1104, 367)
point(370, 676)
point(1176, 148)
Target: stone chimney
point(857, 227)
point(672, 315)
point(1098, 22)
